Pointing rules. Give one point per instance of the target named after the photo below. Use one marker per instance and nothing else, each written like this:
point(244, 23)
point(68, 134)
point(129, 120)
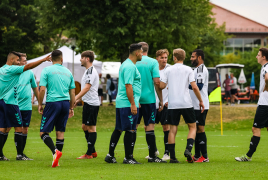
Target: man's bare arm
point(198, 95)
point(36, 63)
point(83, 92)
point(130, 96)
point(36, 94)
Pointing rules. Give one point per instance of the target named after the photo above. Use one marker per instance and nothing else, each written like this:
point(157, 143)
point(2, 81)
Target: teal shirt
point(9, 78)
point(58, 80)
point(26, 82)
point(149, 69)
point(128, 74)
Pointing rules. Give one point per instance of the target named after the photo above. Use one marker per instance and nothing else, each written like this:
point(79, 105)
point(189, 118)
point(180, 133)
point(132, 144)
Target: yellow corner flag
point(215, 96)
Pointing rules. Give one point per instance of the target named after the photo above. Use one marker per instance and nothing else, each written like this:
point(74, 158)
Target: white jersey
point(164, 91)
point(178, 78)
point(91, 77)
point(233, 83)
point(263, 99)
point(201, 76)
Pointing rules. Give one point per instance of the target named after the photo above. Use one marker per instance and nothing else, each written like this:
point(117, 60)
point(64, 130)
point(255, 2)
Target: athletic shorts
point(227, 94)
point(10, 115)
point(233, 91)
point(125, 120)
point(174, 116)
point(26, 118)
point(90, 114)
point(200, 117)
point(261, 117)
point(100, 92)
point(161, 116)
point(55, 115)
point(148, 112)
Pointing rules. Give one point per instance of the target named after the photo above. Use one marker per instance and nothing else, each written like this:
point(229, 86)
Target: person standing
point(100, 89)
point(201, 78)
point(233, 84)
point(89, 94)
point(108, 89)
point(127, 106)
point(227, 87)
point(261, 116)
point(59, 82)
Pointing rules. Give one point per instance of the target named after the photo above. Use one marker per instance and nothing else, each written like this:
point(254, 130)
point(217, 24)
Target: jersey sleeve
point(191, 76)
point(72, 84)
point(17, 69)
point(164, 77)
point(201, 77)
point(43, 78)
point(129, 75)
point(155, 73)
point(33, 83)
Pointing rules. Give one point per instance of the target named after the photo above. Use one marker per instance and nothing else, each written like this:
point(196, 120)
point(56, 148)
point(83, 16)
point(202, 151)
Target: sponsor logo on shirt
point(61, 73)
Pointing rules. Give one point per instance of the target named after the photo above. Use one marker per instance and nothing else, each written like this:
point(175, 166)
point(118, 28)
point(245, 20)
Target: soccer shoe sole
point(108, 160)
point(56, 161)
point(189, 157)
point(94, 154)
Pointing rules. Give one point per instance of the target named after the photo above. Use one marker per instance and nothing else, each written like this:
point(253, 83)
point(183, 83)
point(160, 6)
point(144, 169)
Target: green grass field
point(221, 150)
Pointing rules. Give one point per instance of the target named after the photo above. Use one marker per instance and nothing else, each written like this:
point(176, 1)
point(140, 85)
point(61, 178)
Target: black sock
point(49, 142)
point(150, 138)
point(203, 144)
point(19, 143)
point(94, 150)
point(171, 148)
point(113, 142)
point(86, 134)
point(134, 137)
point(197, 146)
point(127, 144)
point(190, 144)
point(166, 142)
point(24, 137)
point(92, 137)
point(59, 144)
point(5, 137)
point(253, 145)
point(2, 139)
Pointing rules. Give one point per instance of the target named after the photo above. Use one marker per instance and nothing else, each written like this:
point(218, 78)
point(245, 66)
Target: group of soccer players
point(148, 88)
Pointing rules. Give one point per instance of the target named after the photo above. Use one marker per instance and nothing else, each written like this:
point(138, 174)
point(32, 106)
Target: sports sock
point(92, 137)
point(59, 144)
point(134, 137)
point(19, 143)
point(49, 142)
point(197, 146)
point(190, 144)
point(5, 137)
point(166, 142)
point(150, 138)
point(2, 139)
point(171, 148)
point(203, 144)
point(94, 150)
point(113, 142)
point(24, 137)
point(253, 145)
point(127, 144)
point(86, 134)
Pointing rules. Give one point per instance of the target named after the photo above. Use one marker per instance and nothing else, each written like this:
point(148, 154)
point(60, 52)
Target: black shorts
point(233, 91)
point(227, 94)
point(200, 117)
point(174, 116)
point(100, 92)
point(261, 117)
point(90, 114)
point(148, 112)
point(161, 116)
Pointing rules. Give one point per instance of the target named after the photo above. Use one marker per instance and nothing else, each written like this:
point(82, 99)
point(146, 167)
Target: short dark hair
point(56, 55)
point(145, 46)
point(12, 54)
point(108, 76)
point(134, 47)
point(199, 52)
point(89, 54)
point(264, 52)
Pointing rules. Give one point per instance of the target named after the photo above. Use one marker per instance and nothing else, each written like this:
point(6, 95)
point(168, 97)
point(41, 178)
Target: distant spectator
point(108, 91)
point(100, 89)
point(227, 87)
point(233, 84)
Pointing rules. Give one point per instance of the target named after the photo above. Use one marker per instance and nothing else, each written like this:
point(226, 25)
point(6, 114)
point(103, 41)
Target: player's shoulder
point(265, 67)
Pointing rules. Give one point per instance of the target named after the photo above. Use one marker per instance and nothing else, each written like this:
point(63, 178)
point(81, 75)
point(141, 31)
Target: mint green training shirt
point(58, 80)
point(128, 74)
point(149, 69)
point(26, 82)
point(9, 78)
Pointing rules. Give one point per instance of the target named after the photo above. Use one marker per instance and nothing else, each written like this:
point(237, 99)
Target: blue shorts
point(125, 120)
point(148, 112)
point(55, 114)
point(9, 115)
point(26, 117)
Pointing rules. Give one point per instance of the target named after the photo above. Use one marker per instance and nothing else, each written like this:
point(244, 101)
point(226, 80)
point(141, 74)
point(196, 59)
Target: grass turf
point(221, 150)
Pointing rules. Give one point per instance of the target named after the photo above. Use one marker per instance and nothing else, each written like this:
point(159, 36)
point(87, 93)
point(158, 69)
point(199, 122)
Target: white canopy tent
point(111, 68)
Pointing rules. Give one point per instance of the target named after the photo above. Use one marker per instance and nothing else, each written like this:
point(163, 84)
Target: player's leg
point(26, 118)
point(166, 128)
point(3, 132)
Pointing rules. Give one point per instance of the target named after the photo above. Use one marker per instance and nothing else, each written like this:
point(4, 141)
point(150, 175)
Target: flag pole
point(221, 118)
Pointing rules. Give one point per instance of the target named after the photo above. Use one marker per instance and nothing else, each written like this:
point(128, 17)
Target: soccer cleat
point(136, 161)
point(3, 158)
point(27, 158)
point(174, 161)
point(243, 158)
point(110, 159)
point(166, 157)
point(188, 155)
point(130, 161)
point(157, 160)
point(56, 158)
point(156, 154)
point(85, 156)
point(94, 154)
point(195, 159)
point(202, 159)
point(21, 158)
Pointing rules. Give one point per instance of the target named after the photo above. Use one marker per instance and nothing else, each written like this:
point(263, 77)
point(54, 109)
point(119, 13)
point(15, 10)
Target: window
point(233, 45)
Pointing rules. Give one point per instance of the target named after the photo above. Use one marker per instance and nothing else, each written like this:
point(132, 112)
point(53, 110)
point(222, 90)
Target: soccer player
point(26, 82)
point(178, 78)
point(127, 104)
point(161, 116)
point(149, 70)
point(89, 94)
point(10, 115)
point(233, 84)
point(201, 78)
point(60, 86)
point(261, 116)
